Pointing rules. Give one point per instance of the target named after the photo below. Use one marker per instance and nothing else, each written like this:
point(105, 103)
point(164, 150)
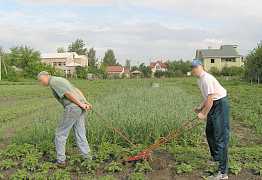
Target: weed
point(113, 167)
point(183, 168)
point(143, 167)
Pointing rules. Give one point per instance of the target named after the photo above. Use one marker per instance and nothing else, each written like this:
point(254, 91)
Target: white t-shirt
point(208, 84)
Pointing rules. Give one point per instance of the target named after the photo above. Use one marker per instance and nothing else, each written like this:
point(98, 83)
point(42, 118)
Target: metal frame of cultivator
point(147, 152)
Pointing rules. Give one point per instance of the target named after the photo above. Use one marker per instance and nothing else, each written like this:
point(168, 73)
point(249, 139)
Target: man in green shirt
point(75, 105)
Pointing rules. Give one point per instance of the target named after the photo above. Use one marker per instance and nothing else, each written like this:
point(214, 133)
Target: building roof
point(59, 55)
point(223, 51)
point(114, 69)
point(162, 65)
point(73, 64)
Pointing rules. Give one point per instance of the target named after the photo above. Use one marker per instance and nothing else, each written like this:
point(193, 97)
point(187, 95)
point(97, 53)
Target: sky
point(140, 30)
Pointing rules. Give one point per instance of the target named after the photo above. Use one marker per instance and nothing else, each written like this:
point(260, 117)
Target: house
point(67, 62)
point(225, 56)
point(117, 71)
point(158, 66)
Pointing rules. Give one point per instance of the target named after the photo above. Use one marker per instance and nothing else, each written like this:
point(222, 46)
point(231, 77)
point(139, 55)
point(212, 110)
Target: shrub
point(232, 71)
point(214, 71)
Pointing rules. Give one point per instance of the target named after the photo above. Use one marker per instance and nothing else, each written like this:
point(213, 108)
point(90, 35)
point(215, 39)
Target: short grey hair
point(42, 73)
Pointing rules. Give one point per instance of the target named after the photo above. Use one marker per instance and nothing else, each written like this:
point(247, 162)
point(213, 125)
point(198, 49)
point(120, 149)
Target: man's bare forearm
point(81, 93)
point(207, 105)
point(72, 98)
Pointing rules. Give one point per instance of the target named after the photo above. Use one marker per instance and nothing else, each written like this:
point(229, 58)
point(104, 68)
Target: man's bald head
point(43, 78)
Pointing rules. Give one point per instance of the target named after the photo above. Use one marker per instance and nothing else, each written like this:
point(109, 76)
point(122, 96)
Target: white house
point(65, 61)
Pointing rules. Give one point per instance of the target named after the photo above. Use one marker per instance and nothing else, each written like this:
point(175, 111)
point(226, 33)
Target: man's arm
point(207, 105)
point(72, 98)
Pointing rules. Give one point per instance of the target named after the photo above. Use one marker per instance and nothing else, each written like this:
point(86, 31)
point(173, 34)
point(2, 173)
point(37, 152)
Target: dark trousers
point(217, 132)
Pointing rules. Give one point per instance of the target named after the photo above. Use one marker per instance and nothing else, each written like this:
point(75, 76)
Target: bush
point(232, 71)
point(214, 71)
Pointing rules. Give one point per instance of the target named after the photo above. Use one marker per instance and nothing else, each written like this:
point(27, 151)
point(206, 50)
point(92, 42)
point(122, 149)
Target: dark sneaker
point(60, 164)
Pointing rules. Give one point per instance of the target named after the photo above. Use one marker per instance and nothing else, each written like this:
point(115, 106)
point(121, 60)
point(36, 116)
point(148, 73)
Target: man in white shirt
point(215, 110)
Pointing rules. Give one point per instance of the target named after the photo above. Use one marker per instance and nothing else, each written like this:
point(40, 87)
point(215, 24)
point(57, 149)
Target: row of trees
point(25, 62)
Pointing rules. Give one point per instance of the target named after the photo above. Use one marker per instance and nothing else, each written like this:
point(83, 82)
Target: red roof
point(114, 69)
point(162, 65)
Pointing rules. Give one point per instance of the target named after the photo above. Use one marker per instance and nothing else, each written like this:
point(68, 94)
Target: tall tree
point(109, 58)
point(92, 57)
point(60, 50)
point(253, 64)
point(128, 64)
point(78, 46)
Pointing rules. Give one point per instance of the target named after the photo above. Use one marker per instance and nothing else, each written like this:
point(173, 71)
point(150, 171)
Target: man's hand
point(201, 116)
point(85, 106)
point(197, 110)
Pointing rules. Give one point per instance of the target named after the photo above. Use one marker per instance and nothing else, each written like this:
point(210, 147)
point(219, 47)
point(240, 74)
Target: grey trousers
point(74, 117)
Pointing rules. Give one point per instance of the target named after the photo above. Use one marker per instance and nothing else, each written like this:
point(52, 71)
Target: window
point(212, 60)
point(228, 59)
point(59, 64)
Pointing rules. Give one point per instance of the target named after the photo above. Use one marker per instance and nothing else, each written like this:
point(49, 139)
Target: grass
point(140, 111)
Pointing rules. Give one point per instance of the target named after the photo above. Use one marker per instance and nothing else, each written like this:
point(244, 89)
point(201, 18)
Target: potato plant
point(141, 112)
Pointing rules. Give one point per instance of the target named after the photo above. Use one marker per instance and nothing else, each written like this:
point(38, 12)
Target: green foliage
point(92, 57)
point(31, 162)
point(183, 168)
point(179, 68)
point(137, 176)
point(113, 167)
point(20, 174)
point(89, 166)
point(7, 164)
point(143, 167)
point(109, 58)
point(60, 174)
point(2, 177)
point(146, 71)
point(60, 50)
point(78, 46)
point(235, 167)
point(253, 64)
point(233, 71)
point(23, 61)
point(81, 72)
point(159, 74)
point(215, 71)
point(109, 177)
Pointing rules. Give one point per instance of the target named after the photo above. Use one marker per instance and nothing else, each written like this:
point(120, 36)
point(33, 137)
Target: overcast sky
point(139, 30)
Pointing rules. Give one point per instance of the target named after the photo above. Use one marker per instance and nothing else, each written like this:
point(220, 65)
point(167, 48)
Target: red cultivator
point(146, 153)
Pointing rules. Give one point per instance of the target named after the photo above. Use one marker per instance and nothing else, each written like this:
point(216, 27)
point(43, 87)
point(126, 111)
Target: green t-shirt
point(60, 86)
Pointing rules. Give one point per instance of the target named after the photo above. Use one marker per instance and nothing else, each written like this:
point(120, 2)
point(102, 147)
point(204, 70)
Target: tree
point(92, 57)
point(128, 64)
point(78, 46)
point(60, 50)
point(253, 64)
point(27, 60)
point(23, 56)
point(181, 66)
point(109, 58)
point(145, 70)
